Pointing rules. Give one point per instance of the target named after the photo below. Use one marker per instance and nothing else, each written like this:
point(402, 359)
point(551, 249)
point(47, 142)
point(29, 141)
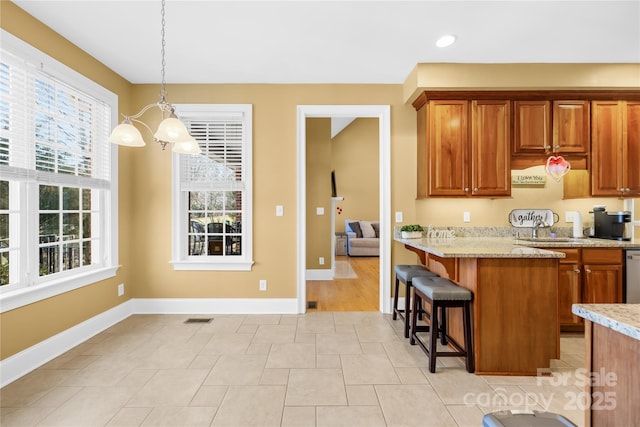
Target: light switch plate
point(279, 210)
point(399, 217)
point(466, 217)
point(319, 211)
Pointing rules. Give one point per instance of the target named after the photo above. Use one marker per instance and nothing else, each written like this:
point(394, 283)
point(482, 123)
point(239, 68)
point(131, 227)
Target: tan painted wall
point(353, 154)
point(319, 153)
point(28, 325)
point(275, 173)
point(355, 160)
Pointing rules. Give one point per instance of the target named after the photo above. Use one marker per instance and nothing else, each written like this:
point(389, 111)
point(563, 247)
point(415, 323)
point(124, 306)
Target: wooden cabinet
point(615, 148)
point(571, 127)
point(447, 142)
point(490, 168)
point(467, 148)
point(532, 127)
point(602, 276)
point(590, 276)
point(569, 287)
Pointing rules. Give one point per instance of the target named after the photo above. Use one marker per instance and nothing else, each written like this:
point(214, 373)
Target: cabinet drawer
point(572, 255)
point(602, 256)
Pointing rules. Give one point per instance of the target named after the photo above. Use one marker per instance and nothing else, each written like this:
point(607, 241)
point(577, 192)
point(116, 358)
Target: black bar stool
point(405, 274)
point(441, 294)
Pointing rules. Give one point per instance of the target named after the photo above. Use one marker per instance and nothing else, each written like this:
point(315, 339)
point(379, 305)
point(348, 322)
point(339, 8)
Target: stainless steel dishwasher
point(632, 286)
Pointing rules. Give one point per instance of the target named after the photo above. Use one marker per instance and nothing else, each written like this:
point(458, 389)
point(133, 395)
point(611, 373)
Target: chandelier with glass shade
point(170, 131)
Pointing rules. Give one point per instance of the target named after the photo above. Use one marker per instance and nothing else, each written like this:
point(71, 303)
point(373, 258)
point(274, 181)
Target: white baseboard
point(326, 274)
point(22, 363)
point(215, 306)
point(37, 355)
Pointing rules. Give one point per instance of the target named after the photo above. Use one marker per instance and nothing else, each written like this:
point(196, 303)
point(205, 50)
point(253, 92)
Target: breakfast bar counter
point(515, 299)
point(612, 335)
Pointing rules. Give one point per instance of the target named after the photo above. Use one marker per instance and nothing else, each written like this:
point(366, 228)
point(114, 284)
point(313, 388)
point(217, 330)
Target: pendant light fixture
point(170, 131)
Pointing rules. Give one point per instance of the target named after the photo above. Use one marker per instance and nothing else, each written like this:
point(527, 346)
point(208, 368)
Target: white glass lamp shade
point(172, 130)
point(187, 147)
point(126, 134)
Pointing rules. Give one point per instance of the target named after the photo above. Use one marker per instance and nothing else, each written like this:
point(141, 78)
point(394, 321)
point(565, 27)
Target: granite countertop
point(476, 247)
point(586, 242)
point(623, 318)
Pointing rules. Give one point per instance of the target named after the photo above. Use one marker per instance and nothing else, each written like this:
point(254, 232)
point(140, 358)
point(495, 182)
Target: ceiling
point(336, 41)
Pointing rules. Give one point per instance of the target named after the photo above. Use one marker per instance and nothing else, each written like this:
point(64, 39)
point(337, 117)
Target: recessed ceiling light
point(446, 40)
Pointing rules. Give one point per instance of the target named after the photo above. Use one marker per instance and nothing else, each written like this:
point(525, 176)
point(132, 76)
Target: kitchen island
point(515, 295)
point(612, 335)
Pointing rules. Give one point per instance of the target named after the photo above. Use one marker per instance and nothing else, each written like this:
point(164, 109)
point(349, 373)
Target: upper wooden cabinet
point(615, 148)
point(571, 127)
point(551, 127)
point(532, 127)
point(465, 148)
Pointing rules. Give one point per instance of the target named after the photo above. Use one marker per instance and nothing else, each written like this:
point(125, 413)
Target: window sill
point(30, 294)
point(212, 266)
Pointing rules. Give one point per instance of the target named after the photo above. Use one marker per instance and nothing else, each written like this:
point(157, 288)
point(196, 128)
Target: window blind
point(220, 166)
point(51, 132)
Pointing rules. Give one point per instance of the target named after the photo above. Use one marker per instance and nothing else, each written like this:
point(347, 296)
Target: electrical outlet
point(466, 217)
point(279, 210)
point(319, 211)
point(569, 216)
point(399, 217)
point(321, 260)
point(263, 285)
point(121, 289)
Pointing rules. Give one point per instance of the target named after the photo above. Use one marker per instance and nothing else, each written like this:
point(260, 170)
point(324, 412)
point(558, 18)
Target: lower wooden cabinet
point(589, 276)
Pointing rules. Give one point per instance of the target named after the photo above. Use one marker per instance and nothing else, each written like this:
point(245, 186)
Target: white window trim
point(12, 299)
point(180, 260)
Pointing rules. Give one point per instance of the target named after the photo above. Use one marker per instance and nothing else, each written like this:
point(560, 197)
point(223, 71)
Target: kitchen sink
point(552, 239)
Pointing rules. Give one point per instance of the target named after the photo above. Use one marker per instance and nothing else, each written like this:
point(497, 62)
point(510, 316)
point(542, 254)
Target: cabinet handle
point(547, 147)
point(627, 190)
point(475, 190)
point(466, 189)
point(557, 147)
point(587, 270)
point(577, 270)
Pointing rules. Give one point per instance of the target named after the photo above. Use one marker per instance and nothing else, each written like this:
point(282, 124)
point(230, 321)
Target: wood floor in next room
point(360, 293)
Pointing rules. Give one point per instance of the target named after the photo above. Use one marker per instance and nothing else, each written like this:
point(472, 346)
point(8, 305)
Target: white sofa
point(362, 237)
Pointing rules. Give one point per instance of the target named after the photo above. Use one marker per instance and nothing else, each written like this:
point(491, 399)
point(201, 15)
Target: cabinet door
point(571, 130)
point(631, 148)
point(569, 292)
point(448, 145)
point(531, 127)
point(491, 148)
point(606, 151)
point(602, 284)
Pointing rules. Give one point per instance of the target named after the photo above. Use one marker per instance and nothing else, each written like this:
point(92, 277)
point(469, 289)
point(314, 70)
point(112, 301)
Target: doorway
point(382, 113)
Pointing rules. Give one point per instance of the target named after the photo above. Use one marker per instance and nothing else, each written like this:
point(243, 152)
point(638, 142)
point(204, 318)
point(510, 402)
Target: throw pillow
point(376, 228)
point(355, 227)
point(367, 229)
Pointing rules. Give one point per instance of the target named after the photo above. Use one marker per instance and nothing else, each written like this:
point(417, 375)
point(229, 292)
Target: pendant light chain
point(163, 91)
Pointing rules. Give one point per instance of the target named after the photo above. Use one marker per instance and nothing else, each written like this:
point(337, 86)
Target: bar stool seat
point(441, 293)
point(405, 274)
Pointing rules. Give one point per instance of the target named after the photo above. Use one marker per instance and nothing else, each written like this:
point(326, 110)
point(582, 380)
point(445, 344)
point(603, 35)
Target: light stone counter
point(477, 247)
point(623, 318)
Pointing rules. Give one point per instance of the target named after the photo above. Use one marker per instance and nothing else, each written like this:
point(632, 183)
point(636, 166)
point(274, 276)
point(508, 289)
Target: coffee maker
point(611, 225)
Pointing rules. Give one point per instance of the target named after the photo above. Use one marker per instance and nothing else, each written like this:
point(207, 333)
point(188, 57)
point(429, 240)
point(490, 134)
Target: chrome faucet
point(536, 225)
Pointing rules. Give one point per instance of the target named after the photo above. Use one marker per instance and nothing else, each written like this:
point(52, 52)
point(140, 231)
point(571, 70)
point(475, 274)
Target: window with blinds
point(55, 171)
point(213, 190)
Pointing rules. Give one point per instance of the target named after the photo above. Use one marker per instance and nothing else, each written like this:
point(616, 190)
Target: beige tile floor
point(318, 369)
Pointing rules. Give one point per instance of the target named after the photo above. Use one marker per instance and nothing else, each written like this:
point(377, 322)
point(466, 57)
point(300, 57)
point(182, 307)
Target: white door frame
point(383, 114)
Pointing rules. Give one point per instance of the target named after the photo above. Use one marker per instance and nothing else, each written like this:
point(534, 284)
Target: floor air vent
point(198, 320)
point(312, 304)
